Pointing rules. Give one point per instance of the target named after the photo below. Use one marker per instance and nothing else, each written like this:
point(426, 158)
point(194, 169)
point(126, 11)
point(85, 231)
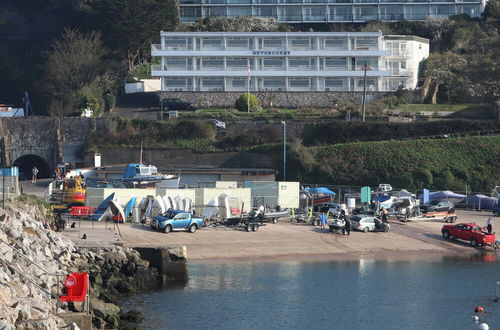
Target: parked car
point(496, 210)
point(218, 124)
point(438, 206)
point(176, 104)
point(468, 232)
point(176, 220)
point(366, 224)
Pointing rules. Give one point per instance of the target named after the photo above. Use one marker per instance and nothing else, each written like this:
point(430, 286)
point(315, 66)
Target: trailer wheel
point(275, 220)
point(249, 228)
point(255, 227)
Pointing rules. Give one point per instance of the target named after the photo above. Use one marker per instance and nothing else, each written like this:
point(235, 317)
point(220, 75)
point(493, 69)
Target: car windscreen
point(433, 202)
point(170, 214)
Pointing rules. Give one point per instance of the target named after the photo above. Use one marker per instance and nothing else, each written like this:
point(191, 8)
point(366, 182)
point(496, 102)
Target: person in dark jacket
point(347, 226)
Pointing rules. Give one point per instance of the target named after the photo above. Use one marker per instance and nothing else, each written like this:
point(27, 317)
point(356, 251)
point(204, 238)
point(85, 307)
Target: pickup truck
point(468, 232)
point(177, 220)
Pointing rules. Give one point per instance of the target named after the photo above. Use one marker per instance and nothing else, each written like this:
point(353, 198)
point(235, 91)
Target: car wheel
point(275, 220)
point(255, 227)
point(249, 228)
point(366, 229)
point(473, 242)
point(386, 229)
point(167, 229)
point(451, 210)
point(446, 234)
point(330, 229)
point(193, 228)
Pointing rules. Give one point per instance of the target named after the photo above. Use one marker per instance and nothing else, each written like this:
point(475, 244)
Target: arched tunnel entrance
point(26, 164)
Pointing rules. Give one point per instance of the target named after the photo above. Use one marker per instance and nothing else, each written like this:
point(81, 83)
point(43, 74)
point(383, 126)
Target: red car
point(469, 232)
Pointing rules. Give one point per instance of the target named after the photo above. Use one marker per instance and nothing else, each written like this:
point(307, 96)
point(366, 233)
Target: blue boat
point(102, 209)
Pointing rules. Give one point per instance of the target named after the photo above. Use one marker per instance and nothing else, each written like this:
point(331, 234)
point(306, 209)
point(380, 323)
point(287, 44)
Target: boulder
point(110, 313)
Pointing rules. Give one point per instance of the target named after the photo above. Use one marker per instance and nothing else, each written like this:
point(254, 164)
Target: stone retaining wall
point(278, 99)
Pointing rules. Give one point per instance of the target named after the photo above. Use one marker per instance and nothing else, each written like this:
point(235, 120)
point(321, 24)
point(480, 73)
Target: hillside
point(435, 164)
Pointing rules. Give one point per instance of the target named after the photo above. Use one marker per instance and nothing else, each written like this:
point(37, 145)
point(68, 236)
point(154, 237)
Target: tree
point(75, 73)
point(129, 27)
point(492, 9)
point(374, 26)
point(447, 70)
point(238, 24)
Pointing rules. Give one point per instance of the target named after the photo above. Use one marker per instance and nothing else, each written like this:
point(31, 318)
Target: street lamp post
point(365, 68)
point(284, 150)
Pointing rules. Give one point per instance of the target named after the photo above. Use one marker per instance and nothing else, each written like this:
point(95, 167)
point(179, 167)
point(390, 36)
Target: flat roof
point(271, 34)
point(406, 37)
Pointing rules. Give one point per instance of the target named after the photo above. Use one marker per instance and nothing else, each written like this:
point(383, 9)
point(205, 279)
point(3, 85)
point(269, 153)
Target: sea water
point(363, 294)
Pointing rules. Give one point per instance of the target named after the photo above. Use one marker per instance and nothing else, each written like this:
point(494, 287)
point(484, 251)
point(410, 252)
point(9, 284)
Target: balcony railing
point(159, 67)
point(302, 68)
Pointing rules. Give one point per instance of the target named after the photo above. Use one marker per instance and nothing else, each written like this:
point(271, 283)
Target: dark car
point(176, 104)
point(438, 206)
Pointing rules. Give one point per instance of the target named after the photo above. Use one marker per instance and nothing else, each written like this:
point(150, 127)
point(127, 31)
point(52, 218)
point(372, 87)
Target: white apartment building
point(330, 11)
point(279, 61)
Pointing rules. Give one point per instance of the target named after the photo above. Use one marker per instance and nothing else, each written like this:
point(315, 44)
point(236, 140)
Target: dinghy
point(102, 210)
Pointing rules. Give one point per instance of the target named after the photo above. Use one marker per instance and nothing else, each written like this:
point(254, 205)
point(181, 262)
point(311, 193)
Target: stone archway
point(26, 164)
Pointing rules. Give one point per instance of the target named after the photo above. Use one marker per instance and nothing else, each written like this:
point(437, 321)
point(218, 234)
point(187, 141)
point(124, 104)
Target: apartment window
point(237, 62)
point(299, 82)
point(366, 43)
point(299, 43)
point(339, 62)
point(301, 62)
point(241, 43)
point(335, 82)
point(177, 83)
point(212, 63)
point(273, 82)
point(177, 43)
point(213, 83)
point(273, 62)
point(211, 42)
point(336, 43)
point(238, 82)
point(177, 63)
point(272, 43)
point(239, 11)
point(360, 62)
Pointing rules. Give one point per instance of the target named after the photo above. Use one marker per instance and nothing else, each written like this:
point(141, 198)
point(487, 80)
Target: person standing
point(489, 225)
point(347, 226)
point(384, 214)
point(34, 173)
point(322, 218)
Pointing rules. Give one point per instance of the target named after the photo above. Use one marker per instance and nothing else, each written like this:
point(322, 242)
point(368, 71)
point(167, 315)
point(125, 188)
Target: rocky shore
point(28, 291)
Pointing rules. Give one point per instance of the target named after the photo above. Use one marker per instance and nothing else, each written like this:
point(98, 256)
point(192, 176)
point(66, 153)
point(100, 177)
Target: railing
point(178, 89)
point(310, 47)
point(302, 68)
point(158, 47)
point(239, 47)
point(314, 18)
point(210, 47)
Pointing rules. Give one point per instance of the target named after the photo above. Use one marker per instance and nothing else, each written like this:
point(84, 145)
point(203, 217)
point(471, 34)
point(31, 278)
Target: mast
point(140, 159)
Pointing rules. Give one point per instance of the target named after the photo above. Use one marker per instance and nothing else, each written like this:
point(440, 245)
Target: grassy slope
point(439, 164)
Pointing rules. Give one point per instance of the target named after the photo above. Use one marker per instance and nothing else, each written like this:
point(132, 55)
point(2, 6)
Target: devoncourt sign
point(271, 52)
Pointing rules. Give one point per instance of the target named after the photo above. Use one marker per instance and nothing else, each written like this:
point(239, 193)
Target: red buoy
point(479, 309)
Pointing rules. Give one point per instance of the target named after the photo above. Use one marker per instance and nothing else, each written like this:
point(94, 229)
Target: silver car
point(368, 223)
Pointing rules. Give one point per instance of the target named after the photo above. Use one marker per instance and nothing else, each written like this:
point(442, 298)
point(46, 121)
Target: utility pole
point(365, 68)
point(284, 150)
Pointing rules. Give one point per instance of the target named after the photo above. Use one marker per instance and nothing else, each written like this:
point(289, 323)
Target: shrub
point(242, 103)
point(190, 129)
